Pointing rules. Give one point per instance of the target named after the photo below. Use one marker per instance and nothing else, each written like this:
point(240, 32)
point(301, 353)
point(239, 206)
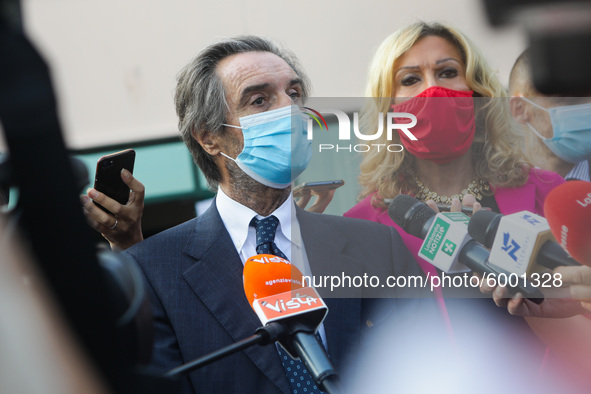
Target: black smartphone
point(447, 207)
point(443, 207)
point(299, 190)
point(108, 180)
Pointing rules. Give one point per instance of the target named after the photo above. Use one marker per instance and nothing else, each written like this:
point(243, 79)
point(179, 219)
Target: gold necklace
point(477, 188)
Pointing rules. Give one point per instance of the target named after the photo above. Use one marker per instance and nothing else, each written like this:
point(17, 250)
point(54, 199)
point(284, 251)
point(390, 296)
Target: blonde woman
point(467, 150)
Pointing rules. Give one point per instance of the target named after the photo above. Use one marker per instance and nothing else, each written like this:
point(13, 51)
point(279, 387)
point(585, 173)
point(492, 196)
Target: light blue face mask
point(276, 146)
point(572, 131)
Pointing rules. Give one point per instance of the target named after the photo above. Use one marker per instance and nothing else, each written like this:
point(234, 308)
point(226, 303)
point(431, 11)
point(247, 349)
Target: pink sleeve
point(363, 210)
point(544, 181)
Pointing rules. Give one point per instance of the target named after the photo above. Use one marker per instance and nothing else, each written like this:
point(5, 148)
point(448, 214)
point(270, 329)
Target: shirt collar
point(579, 171)
point(237, 217)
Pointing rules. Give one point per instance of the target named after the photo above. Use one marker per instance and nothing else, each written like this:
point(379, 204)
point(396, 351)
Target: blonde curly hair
point(497, 149)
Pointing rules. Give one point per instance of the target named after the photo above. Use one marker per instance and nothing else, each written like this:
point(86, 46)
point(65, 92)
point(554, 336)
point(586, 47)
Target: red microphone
point(568, 211)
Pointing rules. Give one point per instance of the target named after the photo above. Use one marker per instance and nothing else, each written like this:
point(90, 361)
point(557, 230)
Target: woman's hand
point(124, 227)
point(456, 206)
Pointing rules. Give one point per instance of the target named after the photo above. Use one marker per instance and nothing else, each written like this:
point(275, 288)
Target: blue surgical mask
point(276, 146)
point(572, 131)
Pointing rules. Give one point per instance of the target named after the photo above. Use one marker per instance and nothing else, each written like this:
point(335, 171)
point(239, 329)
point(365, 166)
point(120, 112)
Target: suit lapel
point(325, 246)
point(216, 278)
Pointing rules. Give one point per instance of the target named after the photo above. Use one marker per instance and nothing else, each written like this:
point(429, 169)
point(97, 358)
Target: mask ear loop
point(226, 156)
point(532, 128)
point(536, 132)
point(534, 104)
point(236, 127)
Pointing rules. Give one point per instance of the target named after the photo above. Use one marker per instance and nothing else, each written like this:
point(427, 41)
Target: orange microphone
point(266, 275)
point(273, 287)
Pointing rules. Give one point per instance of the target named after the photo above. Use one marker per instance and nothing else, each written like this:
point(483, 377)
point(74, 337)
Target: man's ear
point(519, 110)
point(207, 140)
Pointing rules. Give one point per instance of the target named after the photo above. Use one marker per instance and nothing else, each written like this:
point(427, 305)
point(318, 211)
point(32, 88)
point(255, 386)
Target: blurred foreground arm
point(39, 353)
point(579, 279)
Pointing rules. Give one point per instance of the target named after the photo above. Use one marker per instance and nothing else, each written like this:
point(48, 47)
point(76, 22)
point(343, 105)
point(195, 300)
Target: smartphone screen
point(108, 175)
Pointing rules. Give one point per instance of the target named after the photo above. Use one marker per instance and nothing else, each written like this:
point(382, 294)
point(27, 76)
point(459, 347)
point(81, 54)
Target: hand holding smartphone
point(108, 176)
point(300, 190)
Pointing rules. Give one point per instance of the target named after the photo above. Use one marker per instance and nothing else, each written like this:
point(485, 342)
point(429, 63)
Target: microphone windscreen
point(266, 275)
point(568, 211)
point(410, 214)
point(483, 226)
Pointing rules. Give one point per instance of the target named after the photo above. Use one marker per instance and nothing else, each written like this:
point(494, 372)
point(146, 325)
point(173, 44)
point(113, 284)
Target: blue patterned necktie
point(298, 376)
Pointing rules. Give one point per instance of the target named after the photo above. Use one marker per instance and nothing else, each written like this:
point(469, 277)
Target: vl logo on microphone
point(510, 246)
point(530, 219)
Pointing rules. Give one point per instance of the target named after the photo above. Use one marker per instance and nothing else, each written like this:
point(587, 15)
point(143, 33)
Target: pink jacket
point(529, 197)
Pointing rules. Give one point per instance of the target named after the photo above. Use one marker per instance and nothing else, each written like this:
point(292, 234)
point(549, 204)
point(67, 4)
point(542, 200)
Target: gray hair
point(200, 97)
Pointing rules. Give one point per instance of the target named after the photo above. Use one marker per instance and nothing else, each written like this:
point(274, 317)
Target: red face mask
point(445, 124)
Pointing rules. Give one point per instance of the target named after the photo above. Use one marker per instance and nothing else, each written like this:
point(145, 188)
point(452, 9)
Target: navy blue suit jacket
point(194, 277)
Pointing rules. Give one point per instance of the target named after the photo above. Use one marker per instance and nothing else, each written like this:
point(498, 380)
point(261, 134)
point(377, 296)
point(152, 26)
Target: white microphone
point(447, 244)
point(521, 243)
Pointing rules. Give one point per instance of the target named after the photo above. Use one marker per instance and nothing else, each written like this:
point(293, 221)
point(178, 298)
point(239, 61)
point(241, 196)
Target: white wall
point(115, 61)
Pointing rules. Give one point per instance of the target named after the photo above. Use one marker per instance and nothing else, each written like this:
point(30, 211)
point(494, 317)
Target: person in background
point(557, 131)
point(558, 134)
point(557, 128)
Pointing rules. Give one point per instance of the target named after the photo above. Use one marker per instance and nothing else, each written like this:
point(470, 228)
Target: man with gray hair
point(238, 104)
